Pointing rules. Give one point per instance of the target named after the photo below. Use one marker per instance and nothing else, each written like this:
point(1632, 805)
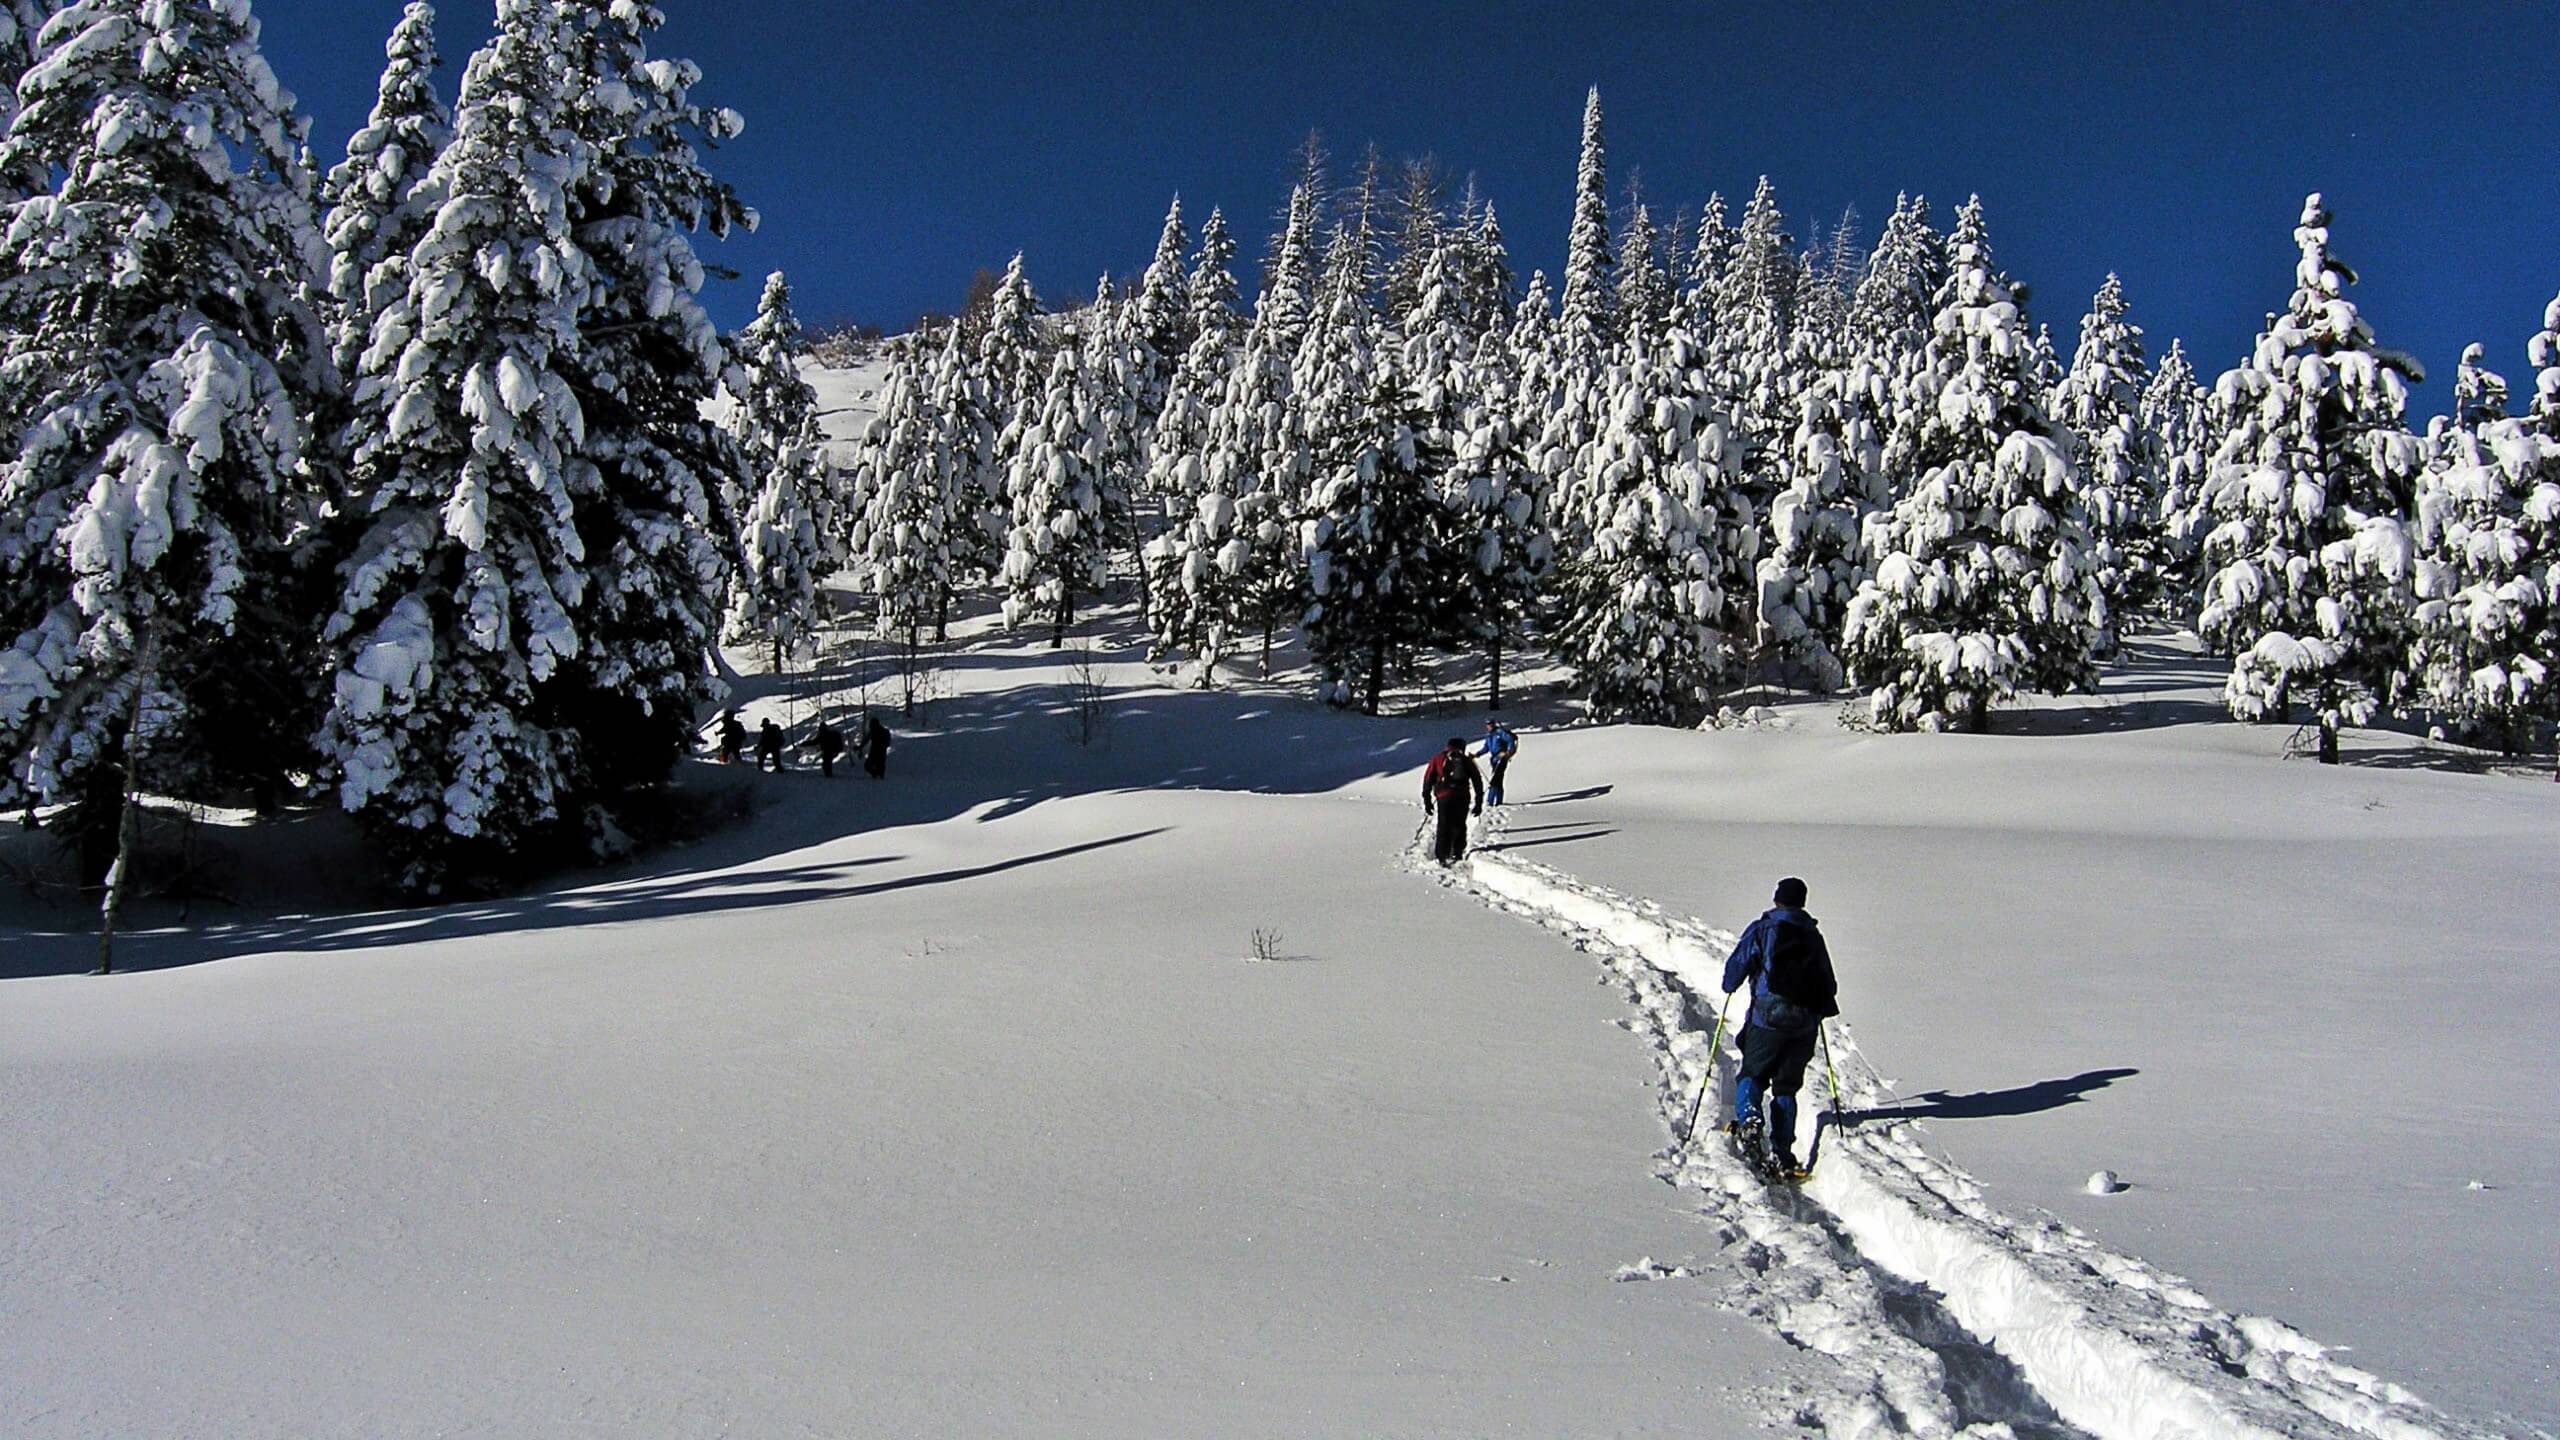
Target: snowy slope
point(953, 1105)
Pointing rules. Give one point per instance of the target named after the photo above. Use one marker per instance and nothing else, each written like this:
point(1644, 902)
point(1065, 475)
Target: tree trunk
point(1978, 715)
point(1066, 616)
point(1266, 649)
point(941, 616)
point(1377, 676)
point(128, 833)
point(2328, 741)
point(1496, 702)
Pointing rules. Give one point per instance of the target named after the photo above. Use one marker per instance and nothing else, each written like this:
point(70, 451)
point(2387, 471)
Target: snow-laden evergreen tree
point(1180, 435)
point(1505, 538)
point(20, 21)
point(2310, 485)
point(1159, 329)
point(1710, 258)
point(372, 202)
point(1831, 481)
point(1117, 362)
point(2486, 633)
point(1485, 283)
point(1055, 554)
point(1289, 291)
point(1755, 316)
point(1644, 289)
point(1378, 536)
point(649, 364)
point(1231, 566)
point(1420, 211)
point(1356, 248)
point(774, 596)
point(1983, 584)
point(1590, 322)
point(461, 585)
point(2100, 400)
point(1011, 370)
point(1828, 281)
point(1641, 608)
point(1893, 313)
point(162, 367)
point(909, 466)
point(2174, 410)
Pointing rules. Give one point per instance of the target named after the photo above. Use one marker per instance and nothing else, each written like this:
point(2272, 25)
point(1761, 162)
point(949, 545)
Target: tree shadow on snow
point(29, 956)
point(1552, 839)
point(1991, 1104)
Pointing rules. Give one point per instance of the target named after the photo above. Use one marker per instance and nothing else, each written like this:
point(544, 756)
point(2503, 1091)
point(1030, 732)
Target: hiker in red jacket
point(1452, 790)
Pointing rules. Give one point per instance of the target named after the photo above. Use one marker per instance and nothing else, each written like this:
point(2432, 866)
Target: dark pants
point(876, 764)
point(1773, 1063)
point(1450, 843)
point(826, 765)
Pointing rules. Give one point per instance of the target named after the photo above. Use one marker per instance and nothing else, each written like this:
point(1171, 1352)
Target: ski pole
point(1833, 1072)
point(1715, 1047)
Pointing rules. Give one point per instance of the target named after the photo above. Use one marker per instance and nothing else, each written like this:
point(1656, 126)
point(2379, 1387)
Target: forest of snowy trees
point(1715, 457)
point(419, 451)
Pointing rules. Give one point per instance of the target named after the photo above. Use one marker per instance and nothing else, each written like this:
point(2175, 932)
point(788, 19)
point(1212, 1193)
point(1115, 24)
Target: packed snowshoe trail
point(1942, 1316)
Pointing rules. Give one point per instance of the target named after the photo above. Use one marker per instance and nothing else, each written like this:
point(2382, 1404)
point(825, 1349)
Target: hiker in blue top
point(1783, 959)
point(1499, 746)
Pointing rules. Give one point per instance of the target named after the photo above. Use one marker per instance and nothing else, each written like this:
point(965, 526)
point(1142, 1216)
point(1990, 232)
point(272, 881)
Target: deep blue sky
point(895, 147)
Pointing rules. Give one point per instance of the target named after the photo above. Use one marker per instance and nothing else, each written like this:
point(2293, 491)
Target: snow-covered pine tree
point(1750, 363)
point(466, 567)
point(2174, 409)
point(1356, 247)
point(1485, 284)
point(774, 596)
point(1589, 317)
point(1710, 258)
point(2100, 400)
point(1054, 551)
point(1641, 609)
point(1832, 479)
point(1289, 289)
point(1117, 371)
point(374, 211)
point(163, 365)
point(1829, 278)
point(1505, 538)
point(1644, 290)
point(1011, 371)
point(1378, 535)
point(1180, 435)
point(1159, 330)
point(1420, 210)
point(2486, 632)
point(1983, 585)
point(903, 470)
point(649, 364)
point(1232, 567)
point(2311, 483)
point(1892, 314)
point(20, 20)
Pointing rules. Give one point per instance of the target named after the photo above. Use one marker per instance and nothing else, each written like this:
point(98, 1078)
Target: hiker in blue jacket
point(1783, 959)
point(1499, 746)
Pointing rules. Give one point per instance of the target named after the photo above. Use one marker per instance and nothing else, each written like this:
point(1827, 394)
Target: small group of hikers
point(1781, 957)
point(829, 742)
point(1454, 790)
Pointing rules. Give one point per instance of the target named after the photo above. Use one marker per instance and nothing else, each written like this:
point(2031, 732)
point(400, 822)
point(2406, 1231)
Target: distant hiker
point(733, 738)
point(875, 748)
point(1783, 959)
point(830, 745)
point(1499, 746)
point(1452, 789)
point(769, 747)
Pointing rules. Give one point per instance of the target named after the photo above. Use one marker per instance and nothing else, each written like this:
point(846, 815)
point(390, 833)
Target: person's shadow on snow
point(1990, 1104)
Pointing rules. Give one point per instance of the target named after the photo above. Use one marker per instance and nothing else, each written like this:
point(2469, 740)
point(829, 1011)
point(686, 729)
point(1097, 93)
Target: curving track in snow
point(1942, 1316)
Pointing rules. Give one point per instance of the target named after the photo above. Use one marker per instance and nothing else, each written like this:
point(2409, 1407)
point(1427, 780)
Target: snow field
point(2114, 1348)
